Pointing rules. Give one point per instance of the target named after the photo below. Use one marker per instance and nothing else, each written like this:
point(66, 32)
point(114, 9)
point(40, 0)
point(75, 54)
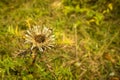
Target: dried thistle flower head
point(40, 37)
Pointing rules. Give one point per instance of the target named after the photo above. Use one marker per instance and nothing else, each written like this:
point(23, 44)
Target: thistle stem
point(34, 55)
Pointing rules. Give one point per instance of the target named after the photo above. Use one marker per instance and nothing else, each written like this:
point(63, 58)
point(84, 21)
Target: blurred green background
point(87, 39)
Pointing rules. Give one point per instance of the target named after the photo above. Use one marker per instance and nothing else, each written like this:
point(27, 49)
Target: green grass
point(84, 50)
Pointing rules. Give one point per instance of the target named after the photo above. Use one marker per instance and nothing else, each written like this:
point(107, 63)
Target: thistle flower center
point(39, 38)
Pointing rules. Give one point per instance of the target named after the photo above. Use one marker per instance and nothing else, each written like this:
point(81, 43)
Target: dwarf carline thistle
point(40, 37)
